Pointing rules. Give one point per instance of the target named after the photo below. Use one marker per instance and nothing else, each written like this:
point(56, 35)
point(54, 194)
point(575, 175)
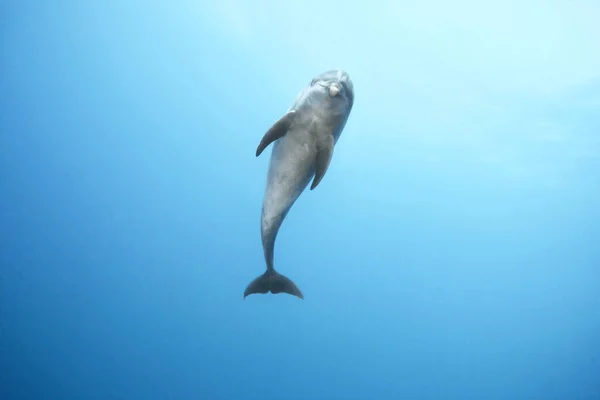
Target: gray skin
point(303, 141)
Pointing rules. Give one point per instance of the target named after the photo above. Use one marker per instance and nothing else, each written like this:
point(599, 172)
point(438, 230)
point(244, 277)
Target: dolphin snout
point(334, 89)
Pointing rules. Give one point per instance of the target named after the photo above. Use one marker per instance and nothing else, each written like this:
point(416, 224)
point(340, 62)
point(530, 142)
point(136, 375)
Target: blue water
point(452, 250)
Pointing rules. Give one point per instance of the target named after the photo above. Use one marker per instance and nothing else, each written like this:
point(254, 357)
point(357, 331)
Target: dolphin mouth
point(334, 90)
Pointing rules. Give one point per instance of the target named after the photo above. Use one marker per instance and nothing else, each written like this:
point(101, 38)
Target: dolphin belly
point(290, 170)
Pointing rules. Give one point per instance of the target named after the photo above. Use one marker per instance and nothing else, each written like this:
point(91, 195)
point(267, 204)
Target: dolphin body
point(303, 141)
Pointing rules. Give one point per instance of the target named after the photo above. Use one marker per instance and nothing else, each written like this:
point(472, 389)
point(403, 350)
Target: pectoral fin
point(278, 130)
point(325, 151)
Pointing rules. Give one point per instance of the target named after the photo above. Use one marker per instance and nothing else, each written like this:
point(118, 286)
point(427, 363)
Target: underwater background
point(452, 250)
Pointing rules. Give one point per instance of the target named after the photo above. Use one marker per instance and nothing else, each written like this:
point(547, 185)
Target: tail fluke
point(273, 282)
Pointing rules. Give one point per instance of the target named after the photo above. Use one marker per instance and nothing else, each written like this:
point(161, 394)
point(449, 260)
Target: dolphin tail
point(273, 282)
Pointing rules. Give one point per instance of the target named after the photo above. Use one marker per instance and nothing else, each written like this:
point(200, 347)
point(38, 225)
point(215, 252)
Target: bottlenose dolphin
point(303, 141)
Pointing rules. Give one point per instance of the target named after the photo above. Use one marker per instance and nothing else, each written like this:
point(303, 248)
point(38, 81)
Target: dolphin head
point(335, 88)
